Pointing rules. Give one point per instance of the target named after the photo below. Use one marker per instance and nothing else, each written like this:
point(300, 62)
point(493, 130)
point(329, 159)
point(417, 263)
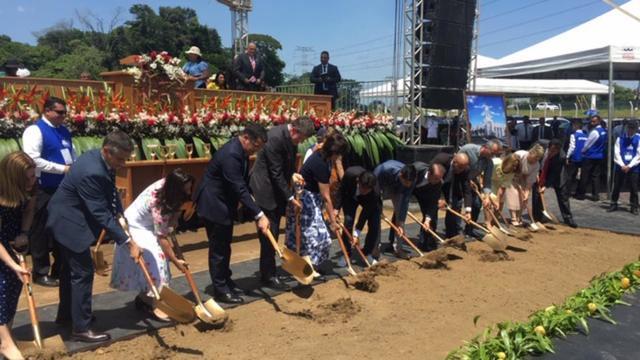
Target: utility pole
point(304, 63)
point(239, 23)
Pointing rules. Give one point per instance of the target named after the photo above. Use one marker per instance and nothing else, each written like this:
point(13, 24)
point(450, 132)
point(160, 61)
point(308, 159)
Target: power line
point(555, 13)
point(531, 34)
point(513, 10)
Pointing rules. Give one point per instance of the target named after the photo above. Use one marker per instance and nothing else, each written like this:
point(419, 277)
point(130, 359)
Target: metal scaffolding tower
point(413, 66)
point(239, 23)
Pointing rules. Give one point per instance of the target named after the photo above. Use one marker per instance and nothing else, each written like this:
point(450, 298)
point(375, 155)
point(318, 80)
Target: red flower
point(194, 119)
point(123, 117)
point(100, 117)
point(153, 55)
point(151, 121)
point(24, 116)
point(207, 119)
point(2, 114)
point(78, 119)
point(171, 118)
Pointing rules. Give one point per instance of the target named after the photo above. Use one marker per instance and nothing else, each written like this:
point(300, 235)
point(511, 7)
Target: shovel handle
point(449, 209)
point(344, 251)
point(297, 225)
point(355, 243)
point(145, 272)
point(433, 233)
point(404, 237)
point(193, 286)
point(33, 314)
point(274, 243)
point(100, 239)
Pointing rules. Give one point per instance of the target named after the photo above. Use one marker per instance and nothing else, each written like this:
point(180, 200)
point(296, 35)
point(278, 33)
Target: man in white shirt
point(48, 143)
point(431, 130)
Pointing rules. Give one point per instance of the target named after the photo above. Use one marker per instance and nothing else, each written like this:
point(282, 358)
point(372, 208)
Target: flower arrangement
point(156, 64)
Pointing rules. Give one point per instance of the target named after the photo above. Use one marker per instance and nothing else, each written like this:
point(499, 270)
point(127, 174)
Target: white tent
point(507, 86)
point(583, 52)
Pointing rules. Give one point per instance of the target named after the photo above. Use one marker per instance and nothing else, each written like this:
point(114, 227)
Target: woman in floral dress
point(152, 218)
point(315, 239)
point(17, 184)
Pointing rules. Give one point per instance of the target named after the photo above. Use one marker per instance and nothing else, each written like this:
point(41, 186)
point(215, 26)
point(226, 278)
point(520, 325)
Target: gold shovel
point(489, 209)
point(346, 254)
point(546, 213)
point(448, 243)
point(492, 239)
point(209, 311)
point(99, 263)
point(168, 301)
point(404, 237)
point(299, 267)
point(54, 343)
point(355, 243)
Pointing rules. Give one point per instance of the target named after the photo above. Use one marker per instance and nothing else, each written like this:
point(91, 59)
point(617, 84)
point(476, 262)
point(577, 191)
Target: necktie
point(324, 72)
point(253, 63)
point(114, 199)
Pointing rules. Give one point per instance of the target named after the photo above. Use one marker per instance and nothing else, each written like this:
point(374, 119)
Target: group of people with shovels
point(86, 206)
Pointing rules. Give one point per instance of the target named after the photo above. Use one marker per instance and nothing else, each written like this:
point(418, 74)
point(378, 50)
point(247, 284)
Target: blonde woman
point(529, 168)
point(17, 185)
point(504, 170)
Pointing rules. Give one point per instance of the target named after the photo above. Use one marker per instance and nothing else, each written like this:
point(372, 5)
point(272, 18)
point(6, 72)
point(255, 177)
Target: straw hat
point(194, 50)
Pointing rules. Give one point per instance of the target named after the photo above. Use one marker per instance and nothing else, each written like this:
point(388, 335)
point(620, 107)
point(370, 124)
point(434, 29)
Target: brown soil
point(338, 322)
point(493, 256)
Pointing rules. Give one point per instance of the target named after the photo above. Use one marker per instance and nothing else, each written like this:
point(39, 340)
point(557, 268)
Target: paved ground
point(116, 314)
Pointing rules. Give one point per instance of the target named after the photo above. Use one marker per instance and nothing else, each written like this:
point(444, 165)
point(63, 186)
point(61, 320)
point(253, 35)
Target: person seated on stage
point(553, 176)
point(522, 184)
point(315, 239)
point(456, 189)
point(627, 159)
point(427, 192)
point(396, 181)
point(152, 217)
point(358, 188)
point(17, 187)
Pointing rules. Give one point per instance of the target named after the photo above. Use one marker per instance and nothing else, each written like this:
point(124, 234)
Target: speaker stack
point(447, 36)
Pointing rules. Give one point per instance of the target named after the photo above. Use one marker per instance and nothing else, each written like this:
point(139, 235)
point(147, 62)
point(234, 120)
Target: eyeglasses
point(60, 112)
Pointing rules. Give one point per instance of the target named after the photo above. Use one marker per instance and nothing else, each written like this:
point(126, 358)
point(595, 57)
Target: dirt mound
point(457, 242)
point(433, 264)
point(383, 268)
point(341, 310)
point(523, 237)
point(365, 281)
point(43, 354)
point(493, 256)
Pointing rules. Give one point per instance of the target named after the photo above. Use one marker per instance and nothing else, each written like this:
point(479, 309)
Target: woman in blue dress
point(17, 185)
point(315, 239)
point(196, 68)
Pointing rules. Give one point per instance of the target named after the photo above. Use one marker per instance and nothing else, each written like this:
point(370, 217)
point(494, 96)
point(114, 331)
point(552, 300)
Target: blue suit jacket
point(388, 174)
point(225, 184)
point(81, 207)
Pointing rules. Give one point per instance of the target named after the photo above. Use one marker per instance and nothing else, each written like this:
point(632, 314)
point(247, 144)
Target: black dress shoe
point(275, 283)
point(229, 298)
point(571, 223)
point(90, 336)
point(612, 208)
point(234, 288)
point(67, 322)
point(45, 280)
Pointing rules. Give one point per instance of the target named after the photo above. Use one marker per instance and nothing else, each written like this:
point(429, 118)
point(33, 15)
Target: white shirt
point(432, 128)
point(594, 135)
point(617, 157)
point(32, 145)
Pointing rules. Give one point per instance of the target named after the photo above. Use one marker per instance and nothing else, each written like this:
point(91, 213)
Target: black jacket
point(272, 171)
point(555, 176)
point(82, 205)
point(454, 186)
point(330, 80)
point(224, 185)
point(242, 70)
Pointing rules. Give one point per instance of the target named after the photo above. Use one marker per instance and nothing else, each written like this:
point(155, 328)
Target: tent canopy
point(507, 86)
point(583, 52)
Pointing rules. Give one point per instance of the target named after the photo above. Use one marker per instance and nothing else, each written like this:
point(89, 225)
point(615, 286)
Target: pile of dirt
point(457, 242)
point(365, 281)
point(493, 256)
point(44, 354)
point(338, 311)
point(433, 264)
point(523, 236)
point(384, 268)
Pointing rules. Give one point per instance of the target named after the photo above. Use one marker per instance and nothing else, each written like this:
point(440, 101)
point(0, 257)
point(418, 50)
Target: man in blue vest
point(627, 159)
point(48, 143)
point(593, 154)
point(577, 138)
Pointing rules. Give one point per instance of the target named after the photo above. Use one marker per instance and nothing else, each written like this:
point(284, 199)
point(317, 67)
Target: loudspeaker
point(410, 153)
point(447, 36)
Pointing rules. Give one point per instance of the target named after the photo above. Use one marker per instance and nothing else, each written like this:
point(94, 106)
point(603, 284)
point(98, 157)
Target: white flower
point(153, 65)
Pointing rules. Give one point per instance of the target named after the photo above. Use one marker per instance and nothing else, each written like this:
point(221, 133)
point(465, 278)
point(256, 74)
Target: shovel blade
point(211, 313)
point(53, 344)
point(549, 217)
point(299, 267)
point(494, 243)
point(176, 306)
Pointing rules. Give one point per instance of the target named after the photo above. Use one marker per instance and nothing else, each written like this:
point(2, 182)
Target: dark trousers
point(452, 222)
point(76, 286)
point(267, 253)
point(219, 237)
point(428, 197)
point(620, 178)
point(370, 214)
point(40, 238)
point(572, 175)
point(591, 170)
point(562, 197)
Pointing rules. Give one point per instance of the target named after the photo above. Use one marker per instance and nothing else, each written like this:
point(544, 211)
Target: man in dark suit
point(271, 186)
point(542, 132)
point(553, 175)
point(456, 189)
point(326, 78)
point(427, 192)
point(224, 186)
point(358, 188)
point(249, 70)
point(85, 203)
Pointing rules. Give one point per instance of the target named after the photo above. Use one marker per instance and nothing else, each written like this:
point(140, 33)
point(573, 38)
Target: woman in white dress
point(152, 218)
point(519, 193)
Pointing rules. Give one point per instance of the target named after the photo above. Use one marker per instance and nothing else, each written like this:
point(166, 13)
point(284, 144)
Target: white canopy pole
point(610, 128)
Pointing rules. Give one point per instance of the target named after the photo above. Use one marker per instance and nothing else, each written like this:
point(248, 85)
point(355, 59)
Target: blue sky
point(357, 33)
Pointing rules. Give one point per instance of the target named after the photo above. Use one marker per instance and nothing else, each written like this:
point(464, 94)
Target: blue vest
point(628, 149)
point(580, 138)
point(596, 151)
point(53, 141)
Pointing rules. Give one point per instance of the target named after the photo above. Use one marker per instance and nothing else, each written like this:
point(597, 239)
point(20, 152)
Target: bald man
point(249, 70)
point(427, 192)
point(456, 190)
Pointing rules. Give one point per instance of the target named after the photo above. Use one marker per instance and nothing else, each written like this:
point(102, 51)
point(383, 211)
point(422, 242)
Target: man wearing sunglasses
point(48, 143)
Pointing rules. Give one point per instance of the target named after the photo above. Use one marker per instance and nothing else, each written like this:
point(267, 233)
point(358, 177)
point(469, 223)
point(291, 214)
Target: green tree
point(70, 66)
point(268, 48)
